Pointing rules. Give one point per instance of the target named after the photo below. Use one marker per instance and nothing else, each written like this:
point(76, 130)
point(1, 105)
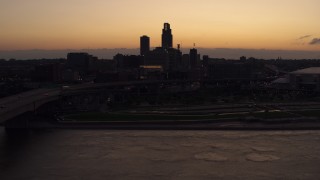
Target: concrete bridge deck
point(28, 101)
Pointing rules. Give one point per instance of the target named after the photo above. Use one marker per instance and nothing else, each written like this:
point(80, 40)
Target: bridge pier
point(19, 123)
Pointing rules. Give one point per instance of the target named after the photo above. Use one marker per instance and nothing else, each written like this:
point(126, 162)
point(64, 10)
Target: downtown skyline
point(249, 24)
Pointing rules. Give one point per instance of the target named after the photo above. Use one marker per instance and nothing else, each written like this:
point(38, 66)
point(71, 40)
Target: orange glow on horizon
point(79, 24)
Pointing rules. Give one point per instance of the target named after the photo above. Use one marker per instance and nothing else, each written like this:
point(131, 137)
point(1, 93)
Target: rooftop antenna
point(194, 45)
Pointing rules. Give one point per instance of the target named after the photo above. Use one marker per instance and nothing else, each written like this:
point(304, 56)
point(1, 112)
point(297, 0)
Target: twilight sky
point(78, 24)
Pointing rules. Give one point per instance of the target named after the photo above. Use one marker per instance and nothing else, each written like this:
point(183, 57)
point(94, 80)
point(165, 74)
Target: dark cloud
point(304, 37)
point(314, 41)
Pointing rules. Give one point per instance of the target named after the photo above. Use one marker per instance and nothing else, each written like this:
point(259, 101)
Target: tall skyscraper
point(144, 45)
point(166, 36)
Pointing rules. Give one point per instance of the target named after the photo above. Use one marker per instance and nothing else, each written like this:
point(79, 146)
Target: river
point(107, 154)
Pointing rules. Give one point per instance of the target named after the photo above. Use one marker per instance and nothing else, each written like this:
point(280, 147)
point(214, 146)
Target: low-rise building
point(308, 79)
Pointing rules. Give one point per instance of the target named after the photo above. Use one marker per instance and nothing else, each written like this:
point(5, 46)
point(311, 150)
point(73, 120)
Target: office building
point(144, 45)
point(158, 57)
point(166, 36)
point(193, 58)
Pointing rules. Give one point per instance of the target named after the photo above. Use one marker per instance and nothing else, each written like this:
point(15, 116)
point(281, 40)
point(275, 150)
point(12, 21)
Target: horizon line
point(36, 49)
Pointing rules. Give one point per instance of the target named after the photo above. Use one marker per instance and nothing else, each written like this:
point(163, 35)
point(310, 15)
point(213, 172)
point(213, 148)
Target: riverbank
point(201, 125)
point(195, 124)
point(235, 117)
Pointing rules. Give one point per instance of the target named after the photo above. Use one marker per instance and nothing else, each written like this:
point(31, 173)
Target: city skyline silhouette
point(167, 41)
point(210, 24)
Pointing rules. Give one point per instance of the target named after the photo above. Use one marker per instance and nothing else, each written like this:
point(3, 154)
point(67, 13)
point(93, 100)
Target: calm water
point(105, 154)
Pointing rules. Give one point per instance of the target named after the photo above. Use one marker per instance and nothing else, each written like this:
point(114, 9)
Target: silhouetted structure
point(205, 60)
point(70, 76)
point(82, 62)
point(243, 58)
point(127, 61)
point(144, 45)
point(193, 58)
point(166, 36)
point(158, 57)
point(185, 64)
point(305, 79)
point(151, 72)
point(175, 59)
point(48, 73)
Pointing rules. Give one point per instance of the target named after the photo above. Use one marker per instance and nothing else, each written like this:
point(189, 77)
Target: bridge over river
point(13, 106)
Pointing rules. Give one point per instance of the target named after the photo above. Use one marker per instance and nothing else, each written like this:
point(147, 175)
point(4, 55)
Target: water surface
point(105, 154)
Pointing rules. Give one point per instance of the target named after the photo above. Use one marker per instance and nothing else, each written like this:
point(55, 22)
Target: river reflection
point(105, 154)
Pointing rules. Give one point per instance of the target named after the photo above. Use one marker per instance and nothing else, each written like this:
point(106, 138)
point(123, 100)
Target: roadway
point(13, 106)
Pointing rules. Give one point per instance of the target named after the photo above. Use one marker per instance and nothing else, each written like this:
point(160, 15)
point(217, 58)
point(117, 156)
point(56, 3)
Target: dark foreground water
point(105, 154)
